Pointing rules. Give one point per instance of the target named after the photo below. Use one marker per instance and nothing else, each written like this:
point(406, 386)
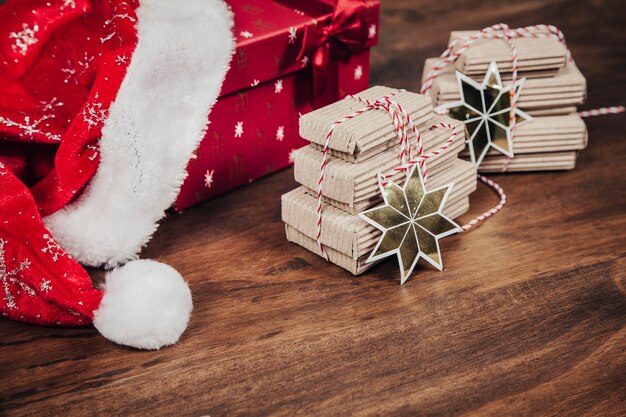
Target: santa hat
point(102, 103)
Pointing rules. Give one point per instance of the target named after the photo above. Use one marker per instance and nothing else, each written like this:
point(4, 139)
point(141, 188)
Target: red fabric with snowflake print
point(41, 283)
point(61, 65)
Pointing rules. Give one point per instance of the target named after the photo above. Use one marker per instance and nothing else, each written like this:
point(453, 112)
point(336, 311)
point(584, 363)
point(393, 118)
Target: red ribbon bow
point(346, 34)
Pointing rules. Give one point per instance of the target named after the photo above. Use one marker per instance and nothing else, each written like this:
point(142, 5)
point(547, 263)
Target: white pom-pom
point(146, 305)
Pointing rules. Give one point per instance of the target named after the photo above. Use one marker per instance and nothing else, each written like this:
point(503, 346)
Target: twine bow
point(504, 32)
point(401, 119)
point(403, 125)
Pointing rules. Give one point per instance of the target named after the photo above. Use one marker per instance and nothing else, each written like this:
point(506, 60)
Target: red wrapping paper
point(254, 125)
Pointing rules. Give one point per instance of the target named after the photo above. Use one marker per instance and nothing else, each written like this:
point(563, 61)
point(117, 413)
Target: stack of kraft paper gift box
point(360, 149)
point(279, 70)
point(553, 88)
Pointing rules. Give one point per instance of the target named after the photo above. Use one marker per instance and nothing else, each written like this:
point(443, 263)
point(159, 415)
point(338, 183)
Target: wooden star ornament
point(485, 108)
point(412, 223)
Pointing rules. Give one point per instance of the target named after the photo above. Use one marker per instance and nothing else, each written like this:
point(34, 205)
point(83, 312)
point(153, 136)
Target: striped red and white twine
point(504, 32)
point(403, 125)
point(491, 211)
point(602, 111)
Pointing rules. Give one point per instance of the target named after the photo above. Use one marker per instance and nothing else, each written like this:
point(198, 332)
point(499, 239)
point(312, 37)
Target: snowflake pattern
point(50, 105)
point(68, 3)
point(280, 133)
point(372, 31)
point(94, 155)
point(45, 286)
point(9, 277)
point(53, 248)
point(121, 60)
point(239, 129)
point(24, 39)
point(293, 34)
point(30, 128)
point(208, 178)
point(278, 86)
point(125, 16)
point(254, 83)
point(74, 72)
point(292, 156)
point(304, 62)
point(70, 73)
point(245, 34)
point(94, 114)
point(358, 72)
point(107, 38)
point(121, 17)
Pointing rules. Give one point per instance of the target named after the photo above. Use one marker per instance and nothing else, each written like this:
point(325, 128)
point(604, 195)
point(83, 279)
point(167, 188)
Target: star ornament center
point(485, 108)
point(412, 223)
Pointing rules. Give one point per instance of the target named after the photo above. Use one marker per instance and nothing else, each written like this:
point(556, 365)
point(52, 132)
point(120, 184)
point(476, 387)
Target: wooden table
point(528, 318)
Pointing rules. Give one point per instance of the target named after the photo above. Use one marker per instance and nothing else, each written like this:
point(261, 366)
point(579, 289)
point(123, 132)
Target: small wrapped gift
point(546, 132)
point(361, 147)
point(541, 161)
point(546, 143)
point(347, 238)
point(537, 56)
point(291, 56)
point(361, 138)
point(353, 187)
point(539, 96)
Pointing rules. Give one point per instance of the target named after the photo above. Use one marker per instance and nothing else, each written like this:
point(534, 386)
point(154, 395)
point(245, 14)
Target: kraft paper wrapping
point(356, 265)
point(547, 134)
point(565, 90)
point(557, 111)
point(365, 135)
point(354, 187)
point(546, 161)
point(466, 184)
point(354, 237)
point(534, 54)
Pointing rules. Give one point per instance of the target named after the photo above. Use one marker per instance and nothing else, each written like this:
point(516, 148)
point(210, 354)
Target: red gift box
point(291, 56)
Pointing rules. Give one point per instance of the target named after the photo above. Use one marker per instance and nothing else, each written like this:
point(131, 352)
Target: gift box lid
point(276, 38)
point(368, 134)
point(535, 54)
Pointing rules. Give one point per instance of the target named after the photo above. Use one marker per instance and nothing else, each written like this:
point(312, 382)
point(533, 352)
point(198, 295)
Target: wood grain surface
point(528, 318)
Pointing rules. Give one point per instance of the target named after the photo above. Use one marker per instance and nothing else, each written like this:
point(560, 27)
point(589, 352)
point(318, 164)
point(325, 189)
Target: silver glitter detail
point(52, 248)
point(121, 60)
point(50, 105)
point(24, 39)
point(124, 16)
point(293, 34)
point(11, 277)
point(68, 3)
point(94, 114)
point(45, 286)
point(73, 72)
point(30, 128)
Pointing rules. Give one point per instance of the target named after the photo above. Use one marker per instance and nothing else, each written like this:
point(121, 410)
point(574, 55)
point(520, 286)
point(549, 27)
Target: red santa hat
point(102, 103)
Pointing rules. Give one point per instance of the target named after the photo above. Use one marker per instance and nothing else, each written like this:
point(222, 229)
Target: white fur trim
point(158, 118)
point(146, 305)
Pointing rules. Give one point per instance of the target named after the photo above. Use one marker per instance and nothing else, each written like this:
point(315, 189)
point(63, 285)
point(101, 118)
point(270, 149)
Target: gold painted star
point(412, 223)
point(485, 109)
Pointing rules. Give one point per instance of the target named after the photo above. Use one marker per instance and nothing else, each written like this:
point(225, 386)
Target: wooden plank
point(528, 318)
